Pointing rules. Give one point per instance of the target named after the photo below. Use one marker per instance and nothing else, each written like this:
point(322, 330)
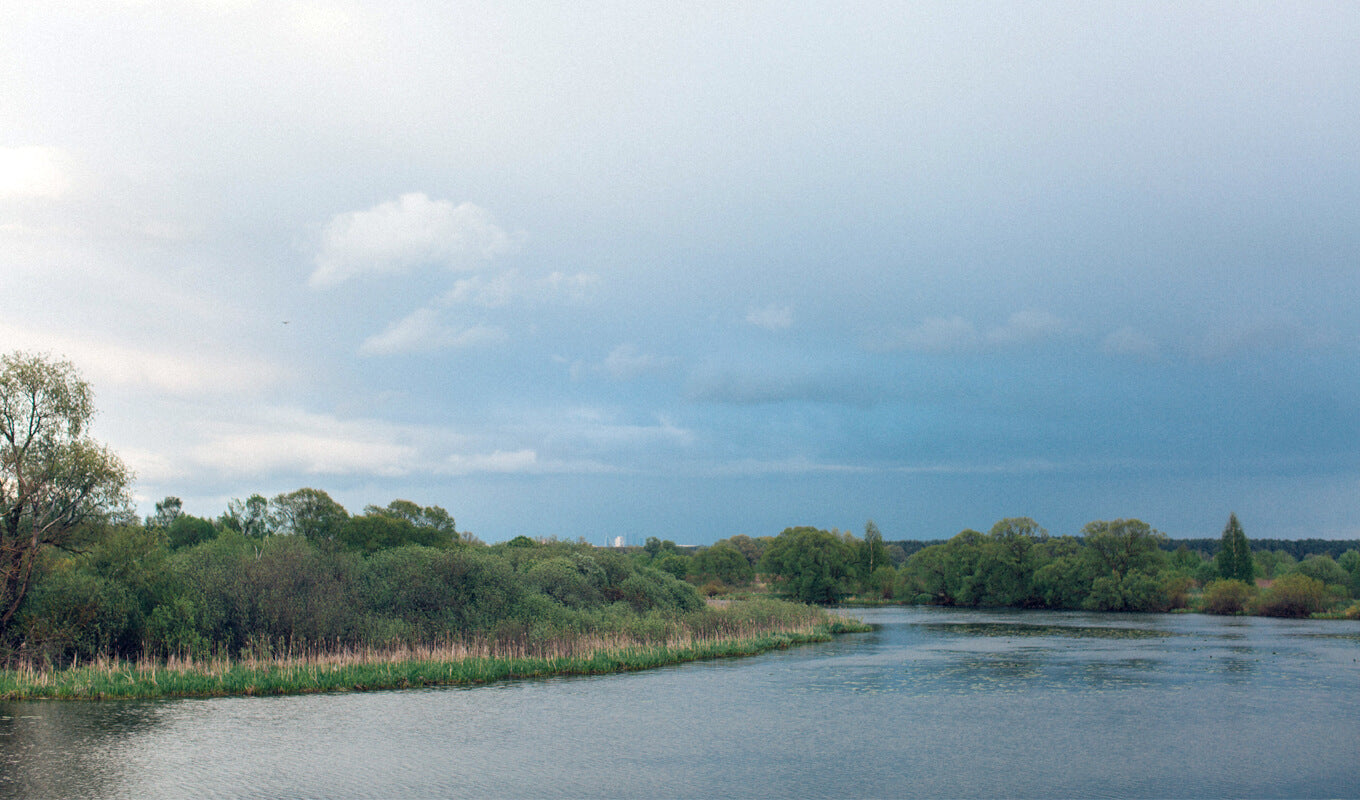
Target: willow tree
point(56, 483)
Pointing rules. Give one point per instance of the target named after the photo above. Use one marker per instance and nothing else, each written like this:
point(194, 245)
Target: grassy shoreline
point(403, 667)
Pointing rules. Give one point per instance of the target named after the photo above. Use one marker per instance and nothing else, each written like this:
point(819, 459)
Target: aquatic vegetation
point(737, 629)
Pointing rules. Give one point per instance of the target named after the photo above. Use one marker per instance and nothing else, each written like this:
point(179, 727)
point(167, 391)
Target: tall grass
point(736, 629)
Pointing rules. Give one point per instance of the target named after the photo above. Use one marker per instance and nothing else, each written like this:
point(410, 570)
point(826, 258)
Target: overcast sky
point(694, 270)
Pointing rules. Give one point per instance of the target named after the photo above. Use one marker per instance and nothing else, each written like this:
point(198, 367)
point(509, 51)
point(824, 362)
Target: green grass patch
point(728, 630)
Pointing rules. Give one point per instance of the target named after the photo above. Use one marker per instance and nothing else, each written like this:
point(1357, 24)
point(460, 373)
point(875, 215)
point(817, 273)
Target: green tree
point(724, 563)
point(753, 549)
point(188, 530)
point(249, 517)
point(432, 519)
point(56, 483)
point(1004, 576)
point(310, 513)
point(1321, 567)
point(812, 565)
point(1123, 545)
point(1234, 554)
point(872, 552)
point(167, 511)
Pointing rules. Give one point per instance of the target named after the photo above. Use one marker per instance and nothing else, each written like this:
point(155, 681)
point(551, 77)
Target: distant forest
point(1298, 548)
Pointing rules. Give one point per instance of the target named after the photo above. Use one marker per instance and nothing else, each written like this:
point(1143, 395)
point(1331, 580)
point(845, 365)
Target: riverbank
point(736, 630)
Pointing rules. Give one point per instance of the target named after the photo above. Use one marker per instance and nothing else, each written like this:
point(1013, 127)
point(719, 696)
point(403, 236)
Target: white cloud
point(500, 461)
point(1026, 327)
point(627, 361)
point(278, 440)
point(624, 362)
point(956, 334)
point(1257, 337)
point(395, 236)
point(940, 335)
point(1129, 341)
point(771, 318)
point(311, 453)
point(33, 172)
point(501, 290)
point(423, 331)
point(796, 465)
point(110, 363)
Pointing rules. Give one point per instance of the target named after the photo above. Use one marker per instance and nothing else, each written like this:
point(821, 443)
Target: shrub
point(713, 588)
point(1324, 569)
point(1227, 597)
point(1294, 595)
point(1177, 589)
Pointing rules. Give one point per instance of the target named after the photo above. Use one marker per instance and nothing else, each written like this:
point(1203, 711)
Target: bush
point(1294, 595)
point(1324, 569)
point(1227, 597)
point(73, 614)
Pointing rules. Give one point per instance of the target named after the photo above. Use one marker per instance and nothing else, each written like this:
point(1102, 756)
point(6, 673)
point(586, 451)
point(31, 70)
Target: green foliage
point(249, 517)
point(573, 582)
point(1234, 557)
point(882, 583)
point(811, 565)
point(1123, 546)
point(1294, 595)
point(310, 513)
point(753, 549)
point(186, 531)
point(724, 563)
point(433, 524)
point(167, 511)
point(1350, 561)
point(1133, 591)
point(1271, 564)
point(1227, 596)
point(380, 531)
point(873, 553)
point(1324, 569)
point(58, 487)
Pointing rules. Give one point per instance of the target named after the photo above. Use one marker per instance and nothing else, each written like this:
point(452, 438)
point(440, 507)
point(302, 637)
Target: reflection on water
point(1023, 629)
point(933, 702)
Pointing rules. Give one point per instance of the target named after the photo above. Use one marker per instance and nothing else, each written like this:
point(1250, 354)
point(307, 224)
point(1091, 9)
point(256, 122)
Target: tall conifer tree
point(1234, 553)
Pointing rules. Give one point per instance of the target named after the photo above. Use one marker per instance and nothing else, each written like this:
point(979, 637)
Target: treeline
point(298, 572)
point(1298, 549)
point(1120, 565)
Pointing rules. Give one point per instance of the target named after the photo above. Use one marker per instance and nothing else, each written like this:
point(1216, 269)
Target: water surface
point(933, 703)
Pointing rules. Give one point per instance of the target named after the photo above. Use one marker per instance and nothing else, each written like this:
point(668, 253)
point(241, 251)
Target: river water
point(933, 703)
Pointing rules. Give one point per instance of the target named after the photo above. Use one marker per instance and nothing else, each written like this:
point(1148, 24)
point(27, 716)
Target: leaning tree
point(56, 483)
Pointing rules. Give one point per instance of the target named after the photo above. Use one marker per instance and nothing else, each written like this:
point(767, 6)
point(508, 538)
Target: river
point(933, 703)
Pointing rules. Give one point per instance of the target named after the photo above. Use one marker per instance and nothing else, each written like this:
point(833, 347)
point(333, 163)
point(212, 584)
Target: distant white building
point(618, 541)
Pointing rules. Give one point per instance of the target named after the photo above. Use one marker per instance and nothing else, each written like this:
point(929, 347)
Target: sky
point(694, 270)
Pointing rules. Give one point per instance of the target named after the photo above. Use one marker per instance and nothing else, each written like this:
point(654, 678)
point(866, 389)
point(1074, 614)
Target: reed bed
point(738, 629)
